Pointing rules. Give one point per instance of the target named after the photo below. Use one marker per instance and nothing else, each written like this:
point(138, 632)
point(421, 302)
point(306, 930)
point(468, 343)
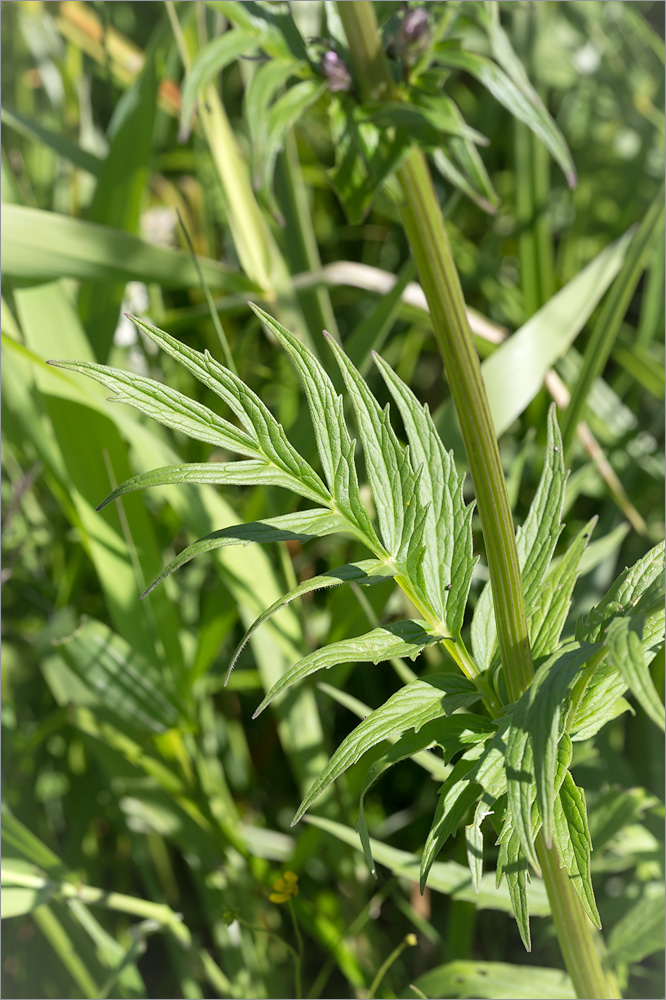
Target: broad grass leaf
point(45, 246)
point(404, 638)
point(495, 981)
point(120, 677)
point(59, 143)
point(300, 526)
point(626, 654)
point(336, 449)
point(571, 837)
point(118, 197)
point(524, 359)
point(409, 708)
point(365, 573)
point(448, 560)
point(208, 62)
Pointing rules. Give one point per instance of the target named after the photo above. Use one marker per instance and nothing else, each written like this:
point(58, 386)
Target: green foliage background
point(136, 772)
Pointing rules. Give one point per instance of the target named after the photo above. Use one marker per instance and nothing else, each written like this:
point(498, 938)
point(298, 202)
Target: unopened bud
point(414, 33)
point(336, 72)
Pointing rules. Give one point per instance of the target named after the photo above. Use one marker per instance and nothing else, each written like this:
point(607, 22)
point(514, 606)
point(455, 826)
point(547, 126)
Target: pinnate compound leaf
point(300, 526)
point(365, 573)
point(474, 846)
point(536, 539)
point(512, 865)
point(336, 449)
point(533, 740)
point(248, 473)
point(626, 654)
point(571, 836)
point(268, 436)
point(601, 702)
point(409, 708)
point(395, 485)
point(551, 612)
point(405, 638)
point(448, 559)
point(167, 406)
point(410, 744)
point(522, 101)
point(446, 877)
point(638, 589)
point(458, 793)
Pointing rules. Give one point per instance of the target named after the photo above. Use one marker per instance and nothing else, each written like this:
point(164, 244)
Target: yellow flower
point(285, 888)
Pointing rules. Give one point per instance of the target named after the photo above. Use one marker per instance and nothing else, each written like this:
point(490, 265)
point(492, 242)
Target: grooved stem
point(426, 232)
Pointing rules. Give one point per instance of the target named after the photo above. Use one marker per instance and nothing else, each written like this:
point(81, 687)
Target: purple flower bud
point(336, 72)
point(414, 32)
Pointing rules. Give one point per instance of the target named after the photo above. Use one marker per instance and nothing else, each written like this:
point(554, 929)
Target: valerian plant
point(509, 762)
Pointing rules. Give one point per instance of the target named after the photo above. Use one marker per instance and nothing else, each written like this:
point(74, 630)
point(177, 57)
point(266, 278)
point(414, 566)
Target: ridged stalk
point(429, 243)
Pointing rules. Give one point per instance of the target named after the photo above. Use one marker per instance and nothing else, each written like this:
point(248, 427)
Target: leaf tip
point(572, 179)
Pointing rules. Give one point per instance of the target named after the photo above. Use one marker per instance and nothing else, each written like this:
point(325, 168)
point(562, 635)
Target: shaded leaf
point(640, 931)
point(495, 981)
point(571, 837)
point(447, 877)
point(521, 100)
point(626, 654)
point(456, 795)
point(121, 678)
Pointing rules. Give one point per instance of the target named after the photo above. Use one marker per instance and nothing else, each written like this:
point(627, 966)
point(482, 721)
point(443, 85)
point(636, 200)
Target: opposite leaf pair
point(511, 761)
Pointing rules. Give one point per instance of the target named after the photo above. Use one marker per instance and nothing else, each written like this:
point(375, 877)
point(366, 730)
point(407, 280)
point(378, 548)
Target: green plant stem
point(575, 933)
point(426, 232)
point(408, 941)
point(298, 961)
